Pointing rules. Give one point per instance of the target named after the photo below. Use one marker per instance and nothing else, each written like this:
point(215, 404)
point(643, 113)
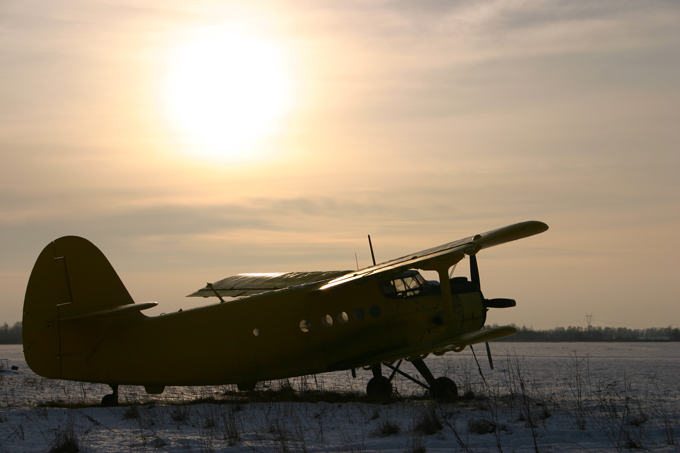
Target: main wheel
point(110, 400)
point(444, 389)
point(379, 388)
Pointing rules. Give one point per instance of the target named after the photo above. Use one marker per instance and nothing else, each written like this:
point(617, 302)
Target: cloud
point(416, 122)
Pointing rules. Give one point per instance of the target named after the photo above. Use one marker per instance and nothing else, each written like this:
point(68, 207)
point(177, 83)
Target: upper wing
point(430, 259)
point(249, 284)
point(447, 254)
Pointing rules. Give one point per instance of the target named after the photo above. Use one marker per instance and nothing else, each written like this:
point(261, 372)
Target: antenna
point(356, 259)
point(371, 246)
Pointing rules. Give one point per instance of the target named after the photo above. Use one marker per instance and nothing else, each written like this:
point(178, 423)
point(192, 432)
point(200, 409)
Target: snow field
point(514, 409)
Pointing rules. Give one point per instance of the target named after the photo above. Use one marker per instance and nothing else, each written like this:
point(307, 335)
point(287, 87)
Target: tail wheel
point(444, 389)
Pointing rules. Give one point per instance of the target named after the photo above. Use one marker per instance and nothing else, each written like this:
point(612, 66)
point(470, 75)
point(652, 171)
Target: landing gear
point(111, 400)
point(379, 388)
point(442, 388)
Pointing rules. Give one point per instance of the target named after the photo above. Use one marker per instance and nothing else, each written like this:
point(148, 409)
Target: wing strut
point(210, 285)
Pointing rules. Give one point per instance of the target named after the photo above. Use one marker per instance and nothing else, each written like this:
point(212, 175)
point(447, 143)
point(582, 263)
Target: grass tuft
point(386, 428)
point(131, 413)
point(180, 414)
point(428, 422)
point(65, 441)
point(481, 426)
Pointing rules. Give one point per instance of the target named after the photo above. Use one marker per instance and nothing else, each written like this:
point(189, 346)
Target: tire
point(379, 389)
point(444, 389)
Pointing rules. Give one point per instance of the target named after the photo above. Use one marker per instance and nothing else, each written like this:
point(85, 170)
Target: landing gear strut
point(441, 388)
point(111, 399)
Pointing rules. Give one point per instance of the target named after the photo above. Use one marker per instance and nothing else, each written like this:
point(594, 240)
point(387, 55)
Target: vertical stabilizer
point(71, 277)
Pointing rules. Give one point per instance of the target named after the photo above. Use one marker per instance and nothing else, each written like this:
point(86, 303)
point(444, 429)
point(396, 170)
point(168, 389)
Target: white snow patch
point(562, 397)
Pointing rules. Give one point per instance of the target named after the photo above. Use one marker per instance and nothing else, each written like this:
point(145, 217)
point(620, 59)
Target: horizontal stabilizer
point(117, 311)
point(249, 284)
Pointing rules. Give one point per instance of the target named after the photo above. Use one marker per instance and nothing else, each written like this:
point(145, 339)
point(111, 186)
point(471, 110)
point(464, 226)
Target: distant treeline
point(595, 334)
point(10, 334)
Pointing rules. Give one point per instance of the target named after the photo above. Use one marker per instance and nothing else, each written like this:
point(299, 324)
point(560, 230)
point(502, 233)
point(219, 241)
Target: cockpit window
point(408, 284)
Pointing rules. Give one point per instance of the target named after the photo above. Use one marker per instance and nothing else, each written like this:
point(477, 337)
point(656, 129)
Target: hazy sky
point(191, 143)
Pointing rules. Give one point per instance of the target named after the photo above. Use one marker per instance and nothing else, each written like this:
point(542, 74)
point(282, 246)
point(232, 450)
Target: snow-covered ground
point(550, 397)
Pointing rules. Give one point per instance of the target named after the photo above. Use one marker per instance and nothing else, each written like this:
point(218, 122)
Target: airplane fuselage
point(278, 334)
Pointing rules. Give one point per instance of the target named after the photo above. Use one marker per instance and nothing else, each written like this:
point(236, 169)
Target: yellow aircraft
point(80, 323)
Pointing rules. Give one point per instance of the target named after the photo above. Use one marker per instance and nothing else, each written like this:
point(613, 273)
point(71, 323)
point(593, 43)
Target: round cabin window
point(305, 325)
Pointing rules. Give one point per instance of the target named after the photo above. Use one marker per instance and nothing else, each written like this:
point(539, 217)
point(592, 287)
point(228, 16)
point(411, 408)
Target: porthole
point(256, 332)
point(305, 325)
point(359, 314)
point(342, 317)
point(375, 311)
point(327, 320)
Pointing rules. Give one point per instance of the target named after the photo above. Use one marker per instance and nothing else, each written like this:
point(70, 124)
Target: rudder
point(71, 277)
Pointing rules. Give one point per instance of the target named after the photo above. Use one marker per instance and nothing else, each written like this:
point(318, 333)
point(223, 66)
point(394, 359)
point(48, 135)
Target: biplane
point(80, 323)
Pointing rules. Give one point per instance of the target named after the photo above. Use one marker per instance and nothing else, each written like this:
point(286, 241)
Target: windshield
point(408, 284)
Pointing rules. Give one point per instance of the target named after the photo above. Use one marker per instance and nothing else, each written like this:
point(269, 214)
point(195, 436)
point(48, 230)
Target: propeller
point(488, 303)
point(474, 271)
point(488, 354)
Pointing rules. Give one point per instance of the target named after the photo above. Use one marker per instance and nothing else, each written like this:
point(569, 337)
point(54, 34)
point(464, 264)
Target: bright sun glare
point(226, 92)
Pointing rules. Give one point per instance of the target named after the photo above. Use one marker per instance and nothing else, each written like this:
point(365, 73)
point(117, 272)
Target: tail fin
point(71, 279)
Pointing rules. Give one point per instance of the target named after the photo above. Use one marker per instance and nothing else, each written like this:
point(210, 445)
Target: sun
point(225, 93)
